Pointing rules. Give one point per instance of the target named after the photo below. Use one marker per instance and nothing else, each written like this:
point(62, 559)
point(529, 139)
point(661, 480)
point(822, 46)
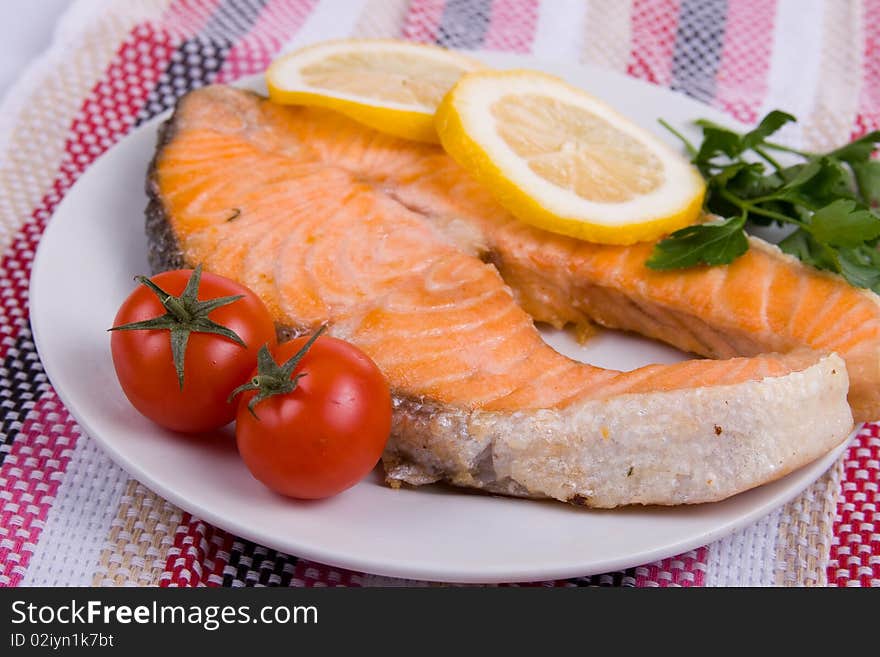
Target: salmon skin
point(401, 253)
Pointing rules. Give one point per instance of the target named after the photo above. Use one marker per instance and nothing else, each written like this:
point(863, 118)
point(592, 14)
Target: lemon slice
point(392, 86)
point(560, 159)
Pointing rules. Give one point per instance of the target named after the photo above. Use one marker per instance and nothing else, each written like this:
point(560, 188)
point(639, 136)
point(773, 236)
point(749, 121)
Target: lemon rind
point(406, 124)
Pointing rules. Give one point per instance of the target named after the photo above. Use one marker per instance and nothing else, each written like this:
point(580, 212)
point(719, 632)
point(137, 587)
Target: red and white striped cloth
point(69, 516)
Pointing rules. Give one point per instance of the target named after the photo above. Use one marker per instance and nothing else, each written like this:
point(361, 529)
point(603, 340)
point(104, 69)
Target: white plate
point(95, 244)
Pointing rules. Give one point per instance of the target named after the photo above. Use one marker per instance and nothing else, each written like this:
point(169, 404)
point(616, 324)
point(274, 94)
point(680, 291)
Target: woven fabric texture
point(68, 515)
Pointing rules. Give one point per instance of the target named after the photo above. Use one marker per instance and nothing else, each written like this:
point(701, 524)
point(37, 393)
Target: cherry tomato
point(213, 365)
point(325, 434)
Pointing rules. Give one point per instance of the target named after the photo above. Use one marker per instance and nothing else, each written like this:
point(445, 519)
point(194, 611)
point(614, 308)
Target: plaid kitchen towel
point(69, 516)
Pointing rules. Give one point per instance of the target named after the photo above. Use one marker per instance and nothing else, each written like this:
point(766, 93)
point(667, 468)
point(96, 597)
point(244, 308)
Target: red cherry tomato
point(328, 432)
point(213, 366)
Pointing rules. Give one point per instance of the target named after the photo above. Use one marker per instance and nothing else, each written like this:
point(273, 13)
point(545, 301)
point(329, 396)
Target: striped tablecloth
point(69, 516)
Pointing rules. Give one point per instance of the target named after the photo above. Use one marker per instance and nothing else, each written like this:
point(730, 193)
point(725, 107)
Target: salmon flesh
point(403, 254)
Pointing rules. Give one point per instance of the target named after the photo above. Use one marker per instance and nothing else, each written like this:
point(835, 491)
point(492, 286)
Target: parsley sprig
point(831, 198)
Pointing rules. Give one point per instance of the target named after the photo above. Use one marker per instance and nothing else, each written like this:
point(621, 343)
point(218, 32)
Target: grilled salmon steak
point(401, 253)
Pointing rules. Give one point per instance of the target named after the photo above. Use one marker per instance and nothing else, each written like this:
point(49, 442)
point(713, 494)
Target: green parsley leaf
point(752, 182)
point(768, 125)
point(860, 266)
point(717, 141)
point(843, 224)
point(800, 174)
point(859, 150)
point(868, 181)
point(818, 183)
point(732, 171)
point(802, 246)
point(708, 244)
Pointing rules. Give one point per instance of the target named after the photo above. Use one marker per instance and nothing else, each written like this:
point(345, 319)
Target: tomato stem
point(184, 315)
point(274, 379)
point(175, 307)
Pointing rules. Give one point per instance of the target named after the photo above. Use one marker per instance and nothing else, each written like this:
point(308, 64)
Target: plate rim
point(347, 558)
